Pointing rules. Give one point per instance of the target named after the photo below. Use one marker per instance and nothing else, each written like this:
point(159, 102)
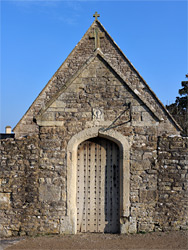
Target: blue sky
point(37, 36)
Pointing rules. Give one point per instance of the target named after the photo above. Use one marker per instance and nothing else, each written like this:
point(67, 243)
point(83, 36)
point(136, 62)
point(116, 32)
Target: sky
point(37, 36)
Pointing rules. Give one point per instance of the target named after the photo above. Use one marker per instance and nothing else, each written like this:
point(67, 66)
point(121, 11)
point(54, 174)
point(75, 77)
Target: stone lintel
point(50, 123)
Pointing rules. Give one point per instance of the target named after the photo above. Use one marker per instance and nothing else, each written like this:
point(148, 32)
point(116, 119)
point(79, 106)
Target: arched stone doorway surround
point(72, 146)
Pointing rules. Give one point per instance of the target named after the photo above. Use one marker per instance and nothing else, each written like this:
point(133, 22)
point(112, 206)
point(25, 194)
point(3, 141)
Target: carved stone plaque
point(98, 114)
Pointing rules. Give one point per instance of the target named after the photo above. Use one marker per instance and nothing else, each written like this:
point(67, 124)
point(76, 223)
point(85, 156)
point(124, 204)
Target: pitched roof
point(78, 58)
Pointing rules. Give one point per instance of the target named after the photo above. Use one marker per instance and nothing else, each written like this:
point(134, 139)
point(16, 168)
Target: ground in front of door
point(158, 240)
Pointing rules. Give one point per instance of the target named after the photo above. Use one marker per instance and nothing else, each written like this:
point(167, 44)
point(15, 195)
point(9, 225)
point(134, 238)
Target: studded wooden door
point(98, 186)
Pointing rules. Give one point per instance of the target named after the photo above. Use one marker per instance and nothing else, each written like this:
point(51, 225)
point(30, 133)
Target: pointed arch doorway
point(98, 186)
point(124, 176)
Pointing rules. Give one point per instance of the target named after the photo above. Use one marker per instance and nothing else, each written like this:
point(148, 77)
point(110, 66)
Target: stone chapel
point(96, 151)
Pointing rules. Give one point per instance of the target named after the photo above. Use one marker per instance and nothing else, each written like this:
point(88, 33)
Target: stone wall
point(19, 185)
point(32, 193)
point(33, 183)
point(159, 179)
point(172, 207)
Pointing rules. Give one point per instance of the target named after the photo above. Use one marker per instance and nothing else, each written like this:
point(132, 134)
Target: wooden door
point(98, 186)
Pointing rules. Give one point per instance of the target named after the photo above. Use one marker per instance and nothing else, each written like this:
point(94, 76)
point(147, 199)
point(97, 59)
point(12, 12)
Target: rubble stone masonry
point(33, 188)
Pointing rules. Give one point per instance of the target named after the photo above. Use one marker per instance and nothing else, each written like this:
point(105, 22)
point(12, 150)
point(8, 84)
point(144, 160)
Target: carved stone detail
point(98, 114)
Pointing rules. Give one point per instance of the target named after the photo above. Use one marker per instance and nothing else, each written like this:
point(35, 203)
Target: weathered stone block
point(4, 231)
point(147, 155)
point(4, 200)
point(49, 193)
point(148, 196)
point(132, 225)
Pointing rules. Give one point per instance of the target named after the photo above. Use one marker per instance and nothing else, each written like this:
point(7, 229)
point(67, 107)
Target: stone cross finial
point(96, 15)
point(97, 35)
